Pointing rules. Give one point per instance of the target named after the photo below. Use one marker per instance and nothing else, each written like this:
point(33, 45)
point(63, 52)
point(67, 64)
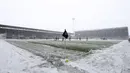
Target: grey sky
point(57, 14)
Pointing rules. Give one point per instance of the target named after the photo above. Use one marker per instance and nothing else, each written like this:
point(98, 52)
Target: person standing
point(86, 38)
point(129, 39)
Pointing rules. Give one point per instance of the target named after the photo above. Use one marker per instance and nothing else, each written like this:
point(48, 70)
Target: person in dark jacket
point(129, 39)
point(86, 38)
point(80, 38)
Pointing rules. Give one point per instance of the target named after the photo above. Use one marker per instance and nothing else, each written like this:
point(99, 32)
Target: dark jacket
point(129, 39)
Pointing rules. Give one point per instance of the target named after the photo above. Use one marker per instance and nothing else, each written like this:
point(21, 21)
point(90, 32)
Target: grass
point(84, 46)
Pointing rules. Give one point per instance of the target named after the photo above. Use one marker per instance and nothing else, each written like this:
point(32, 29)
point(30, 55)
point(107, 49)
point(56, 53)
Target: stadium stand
point(13, 32)
point(110, 33)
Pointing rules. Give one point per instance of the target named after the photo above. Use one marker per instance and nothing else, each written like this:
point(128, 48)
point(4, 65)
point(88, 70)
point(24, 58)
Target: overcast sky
point(57, 14)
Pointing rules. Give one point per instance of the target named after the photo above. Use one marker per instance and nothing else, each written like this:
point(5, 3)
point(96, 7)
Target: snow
point(115, 59)
point(16, 60)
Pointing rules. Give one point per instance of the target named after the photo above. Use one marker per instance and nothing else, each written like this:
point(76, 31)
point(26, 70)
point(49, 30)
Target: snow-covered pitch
point(115, 59)
point(16, 60)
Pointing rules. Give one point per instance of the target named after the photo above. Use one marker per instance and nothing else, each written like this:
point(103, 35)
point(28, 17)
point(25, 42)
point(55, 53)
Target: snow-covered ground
point(16, 60)
point(115, 59)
